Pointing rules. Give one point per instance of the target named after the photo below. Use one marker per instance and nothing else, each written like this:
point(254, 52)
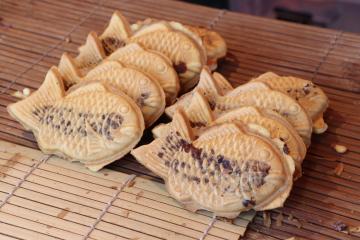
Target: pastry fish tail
point(69, 70)
point(116, 33)
point(30, 110)
point(160, 154)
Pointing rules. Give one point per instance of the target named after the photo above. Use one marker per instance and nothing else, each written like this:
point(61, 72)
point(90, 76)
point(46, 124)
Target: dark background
point(335, 14)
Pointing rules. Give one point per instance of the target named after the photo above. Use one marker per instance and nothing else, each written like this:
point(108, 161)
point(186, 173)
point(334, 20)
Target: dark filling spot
point(197, 124)
point(141, 100)
point(110, 44)
point(180, 67)
point(307, 88)
point(248, 203)
point(286, 149)
point(212, 105)
point(160, 154)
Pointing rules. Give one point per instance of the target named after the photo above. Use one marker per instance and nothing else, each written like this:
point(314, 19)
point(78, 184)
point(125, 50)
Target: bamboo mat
point(43, 197)
point(33, 35)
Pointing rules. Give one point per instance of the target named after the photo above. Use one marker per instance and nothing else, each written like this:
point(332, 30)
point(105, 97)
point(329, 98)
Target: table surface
point(34, 34)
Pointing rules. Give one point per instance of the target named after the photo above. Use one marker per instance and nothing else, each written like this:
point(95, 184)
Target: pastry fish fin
point(250, 86)
point(95, 140)
point(128, 49)
point(199, 111)
point(160, 130)
point(181, 126)
point(92, 86)
point(29, 110)
point(69, 70)
point(220, 131)
point(223, 84)
point(208, 83)
point(103, 68)
point(118, 28)
point(267, 75)
point(236, 114)
point(92, 51)
point(153, 27)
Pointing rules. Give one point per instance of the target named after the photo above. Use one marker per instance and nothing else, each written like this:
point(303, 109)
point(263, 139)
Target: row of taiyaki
point(230, 150)
point(169, 52)
point(93, 108)
point(227, 149)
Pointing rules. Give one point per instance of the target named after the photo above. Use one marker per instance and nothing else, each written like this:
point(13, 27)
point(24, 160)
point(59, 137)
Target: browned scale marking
point(223, 167)
point(100, 123)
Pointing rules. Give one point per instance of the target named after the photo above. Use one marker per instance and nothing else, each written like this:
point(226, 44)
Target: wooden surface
point(44, 197)
point(33, 35)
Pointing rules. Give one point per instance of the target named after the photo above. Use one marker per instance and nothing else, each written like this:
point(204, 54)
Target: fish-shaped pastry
point(156, 65)
point(256, 94)
point(214, 44)
point(266, 123)
point(227, 170)
point(145, 91)
point(187, 55)
point(183, 47)
point(305, 92)
point(91, 124)
point(90, 55)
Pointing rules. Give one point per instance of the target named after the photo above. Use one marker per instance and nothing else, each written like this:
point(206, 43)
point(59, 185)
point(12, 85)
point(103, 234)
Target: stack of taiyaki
point(94, 107)
point(226, 149)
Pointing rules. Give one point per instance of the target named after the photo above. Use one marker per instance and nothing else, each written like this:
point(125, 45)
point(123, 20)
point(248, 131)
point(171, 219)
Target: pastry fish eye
point(161, 68)
point(186, 46)
point(124, 109)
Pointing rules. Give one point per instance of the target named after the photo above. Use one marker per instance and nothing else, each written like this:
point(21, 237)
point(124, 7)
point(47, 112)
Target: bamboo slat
point(32, 38)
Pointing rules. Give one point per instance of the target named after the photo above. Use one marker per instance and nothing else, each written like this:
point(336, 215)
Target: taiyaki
point(184, 47)
point(90, 55)
point(226, 170)
point(91, 124)
point(258, 95)
point(152, 63)
point(145, 91)
point(263, 122)
point(215, 45)
point(156, 65)
point(305, 92)
point(186, 54)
